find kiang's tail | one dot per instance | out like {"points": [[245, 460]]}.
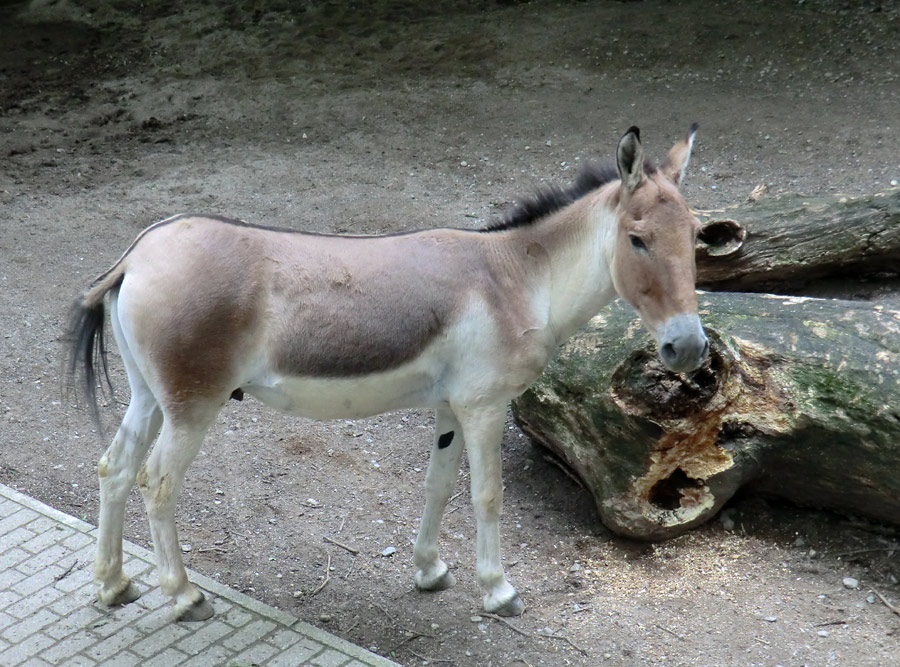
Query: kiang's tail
{"points": [[85, 343]]}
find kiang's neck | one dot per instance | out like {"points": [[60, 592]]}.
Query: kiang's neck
{"points": [[577, 280]]}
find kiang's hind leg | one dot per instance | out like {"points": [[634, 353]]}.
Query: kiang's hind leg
{"points": [[160, 481], [440, 480], [117, 470]]}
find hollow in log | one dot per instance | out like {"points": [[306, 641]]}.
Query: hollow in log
{"points": [[780, 244]]}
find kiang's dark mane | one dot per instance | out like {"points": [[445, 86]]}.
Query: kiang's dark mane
{"points": [[553, 198]]}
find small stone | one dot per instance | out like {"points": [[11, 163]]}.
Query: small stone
{"points": [[325, 618], [185, 548], [871, 599], [297, 594], [893, 182], [463, 164], [727, 521], [771, 619], [476, 618], [850, 582], [482, 627], [822, 633], [389, 551], [576, 567]]}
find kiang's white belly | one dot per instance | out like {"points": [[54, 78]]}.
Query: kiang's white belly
{"points": [[414, 384]]}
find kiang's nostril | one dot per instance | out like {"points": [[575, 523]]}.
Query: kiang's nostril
{"points": [[668, 351]]}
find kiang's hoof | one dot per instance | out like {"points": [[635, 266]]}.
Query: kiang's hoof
{"points": [[440, 583], [512, 607], [128, 594], [201, 610]]}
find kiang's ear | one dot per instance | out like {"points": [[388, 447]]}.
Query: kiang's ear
{"points": [[630, 159], [677, 161]]}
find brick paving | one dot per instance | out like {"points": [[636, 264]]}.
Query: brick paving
{"points": [[49, 614]]}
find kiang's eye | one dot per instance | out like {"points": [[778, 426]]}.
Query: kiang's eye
{"points": [[637, 243]]}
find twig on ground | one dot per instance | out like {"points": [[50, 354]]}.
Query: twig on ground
{"points": [[341, 527], [671, 632], [762, 641], [385, 457], [386, 613], [452, 498], [886, 603], [568, 473], [822, 625], [342, 546], [895, 547], [65, 574], [427, 659], [216, 549], [570, 642], [327, 578], [506, 623], [412, 635]]}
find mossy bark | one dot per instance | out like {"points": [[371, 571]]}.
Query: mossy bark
{"points": [[779, 244], [800, 399]]}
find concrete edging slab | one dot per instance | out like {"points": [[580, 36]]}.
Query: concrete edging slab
{"points": [[52, 638]]}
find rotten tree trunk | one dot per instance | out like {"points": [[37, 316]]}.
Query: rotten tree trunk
{"points": [[778, 244], [800, 399]]}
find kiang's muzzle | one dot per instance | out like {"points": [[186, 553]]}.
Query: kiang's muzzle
{"points": [[683, 346]]}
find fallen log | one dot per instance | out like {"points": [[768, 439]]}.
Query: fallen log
{"points": [[779, 244], [800, 399]]}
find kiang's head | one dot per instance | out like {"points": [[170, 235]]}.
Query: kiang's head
{"points": [[653, 265]]}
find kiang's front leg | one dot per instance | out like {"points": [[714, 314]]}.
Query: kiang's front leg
{"points": [[443, 467], [483, 429]]}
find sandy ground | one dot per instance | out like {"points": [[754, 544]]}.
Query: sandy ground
{"points": [[393, 115]]}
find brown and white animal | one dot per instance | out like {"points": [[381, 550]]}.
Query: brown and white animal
{"points": [[203, 308]]}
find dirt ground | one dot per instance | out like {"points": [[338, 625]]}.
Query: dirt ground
{"points": [[393, 115]]}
